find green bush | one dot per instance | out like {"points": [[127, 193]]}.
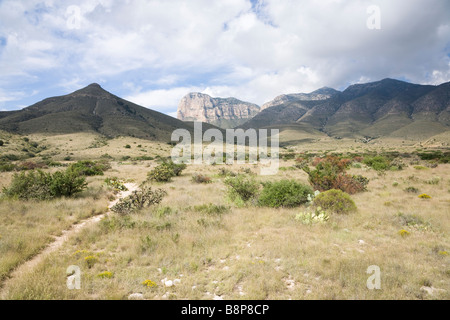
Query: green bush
{"points": [[176, 168], [34, 185], [89, 168], [66, 183], [44, 186], [284, 193], [166, 171], [378, 163], [241, 188], [335, 201]]}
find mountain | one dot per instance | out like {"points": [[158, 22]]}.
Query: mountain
{"points": [[320, 94], [384, 108], [92, 109], [223, 112]]}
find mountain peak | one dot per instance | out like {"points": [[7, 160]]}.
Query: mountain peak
{"points": [[93, 89]]}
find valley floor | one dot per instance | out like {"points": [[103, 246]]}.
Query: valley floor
{"points": [[182, 250]]}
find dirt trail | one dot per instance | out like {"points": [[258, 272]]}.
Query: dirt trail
{"points": [[60, 240]]}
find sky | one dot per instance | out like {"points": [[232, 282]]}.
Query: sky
{"points": [[154, 52]]}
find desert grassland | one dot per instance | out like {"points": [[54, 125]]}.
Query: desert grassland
{"points": [[250, 252], [26, 227]]}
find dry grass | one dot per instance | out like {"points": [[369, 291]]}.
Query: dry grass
{"points": [[252, 252]]}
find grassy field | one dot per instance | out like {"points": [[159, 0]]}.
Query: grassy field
{"points": [[198, 244]]}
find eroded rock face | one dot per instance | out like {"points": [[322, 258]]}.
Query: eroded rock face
{"points": [[225, 113]]}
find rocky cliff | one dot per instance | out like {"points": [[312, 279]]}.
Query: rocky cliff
{"points": [[225, 113]]}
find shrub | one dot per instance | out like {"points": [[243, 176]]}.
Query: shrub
{"points": [[127, 146], [30, 165], [224, 172], [200, 178], [90, 261], [66, 183], [241, 188], [350, 184], [176, 168], [284, 193], [165, 171], [335, 201], [1, 143], [330, 174], [412, 190], [378, 163], [34, 185], [44, 186], [161, 173], [116, 184], [89, 168], [139, 199], [424, 196]]}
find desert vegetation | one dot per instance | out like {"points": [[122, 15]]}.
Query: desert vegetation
{"points": [[224, 231]]}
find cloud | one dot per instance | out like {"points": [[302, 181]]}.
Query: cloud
{"points": [[154, 52]]}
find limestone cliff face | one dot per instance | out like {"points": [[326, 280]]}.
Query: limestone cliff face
{"points": [[225, 113]]}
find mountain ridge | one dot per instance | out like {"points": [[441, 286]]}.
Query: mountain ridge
{"points": [[92, 109]]}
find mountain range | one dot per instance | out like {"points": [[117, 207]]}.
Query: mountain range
{"points": [[386, 108]]}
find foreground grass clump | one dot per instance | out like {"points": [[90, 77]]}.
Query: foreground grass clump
{"points": [[200, 178], [139, 199], [44, 186], [284, 193], [335, 201]]}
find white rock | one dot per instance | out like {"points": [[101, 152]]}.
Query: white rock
{"points": [[136, 296], [168, 283], [176, 281]]}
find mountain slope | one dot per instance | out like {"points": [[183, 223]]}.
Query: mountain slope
{"points": [[320, 94], [91, 109], [382, 108]]}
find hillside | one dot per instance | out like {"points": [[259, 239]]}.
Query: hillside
{"points": [[384, 108], [91, 109]]}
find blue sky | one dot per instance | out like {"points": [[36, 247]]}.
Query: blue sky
{"points": [[154, 52]]}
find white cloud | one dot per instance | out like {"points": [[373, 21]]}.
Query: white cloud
{"points": [[156, 51], [161, 100]]}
